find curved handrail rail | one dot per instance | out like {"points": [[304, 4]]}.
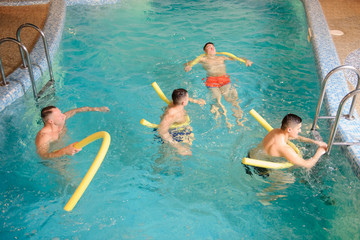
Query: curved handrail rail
{"points": [[22, 46], [93, 168], [44, 42], [338, 114], [322, 92]]}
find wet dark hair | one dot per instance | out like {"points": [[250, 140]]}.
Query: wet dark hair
{"points": [[178, 95], [45, 112], [290, 120], [207, 44]]}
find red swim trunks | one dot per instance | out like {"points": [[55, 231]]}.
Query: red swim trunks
{"points": [[217, 81]]}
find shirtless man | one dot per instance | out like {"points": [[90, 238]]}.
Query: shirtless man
{"points": [[55, 128], [175, 113], [275, 142], [219, 82]]}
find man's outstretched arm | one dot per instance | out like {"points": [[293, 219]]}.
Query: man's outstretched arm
{"points": [[290, 155], [72, 112], [188, 65], [309, 140], [199, 101]]}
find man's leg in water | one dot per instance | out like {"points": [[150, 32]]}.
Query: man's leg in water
{"points": [[230, 95], [216, 96]]}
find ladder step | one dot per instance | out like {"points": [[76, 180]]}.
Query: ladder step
{"points": [[346, 143], [49, 84], [326, 117]]}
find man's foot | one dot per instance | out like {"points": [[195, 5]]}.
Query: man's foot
{"points": [[214, 110], [229, 125]]}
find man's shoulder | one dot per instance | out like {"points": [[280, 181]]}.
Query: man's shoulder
{"points": [[43, 134], [171, 111], [44, 131]]}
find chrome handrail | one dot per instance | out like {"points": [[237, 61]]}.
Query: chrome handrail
{"points": [[22, 46], [338, 114], [44, 42], [322, 92]]}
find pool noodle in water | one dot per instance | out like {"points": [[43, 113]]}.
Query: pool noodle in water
{"points": [[197, 60], [267, 126], [160, 92], [93, 168], [164, 98], [267, 164]]}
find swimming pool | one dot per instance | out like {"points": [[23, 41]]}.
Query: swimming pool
{"points": [[143, 190]]}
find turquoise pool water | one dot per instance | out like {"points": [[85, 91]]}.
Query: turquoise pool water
{"points": [[143, 190]]}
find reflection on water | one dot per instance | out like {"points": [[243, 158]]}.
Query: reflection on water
{"points": [[64, 179], [168, 162], [279, 180]]}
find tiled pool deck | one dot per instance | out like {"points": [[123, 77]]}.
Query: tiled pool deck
{"points": [[323, 46]]}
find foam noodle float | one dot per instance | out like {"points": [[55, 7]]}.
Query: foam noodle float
{"points": [[93, 168], [267, 164], [269, 128], [153, 125], [160, 93], [164, 98], [197, 60]]}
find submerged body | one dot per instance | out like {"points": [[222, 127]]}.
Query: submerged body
{"points": [[175, 113], [54, 129], [219, 83], [275, 143]]}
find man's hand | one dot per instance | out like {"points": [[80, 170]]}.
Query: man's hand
{"points": [[248, 63], [102, 109], [321, 144], [200, 101], [188, 68], [71, 150], [321, 150]]}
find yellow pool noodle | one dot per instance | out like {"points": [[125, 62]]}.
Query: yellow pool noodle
{"points": [[160, 92], [266, 164], [148, 124], [94, 167], [261, 120], [232, 56], [197, 60], [267, 126], [176, 125], [164, 98]]}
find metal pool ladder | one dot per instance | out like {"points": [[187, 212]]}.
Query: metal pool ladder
{"points": [[348, 117], [27, 61]]}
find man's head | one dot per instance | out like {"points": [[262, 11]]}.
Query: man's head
{"points": [[180, 96], [53, 115], [209, 48], [291, 123]]}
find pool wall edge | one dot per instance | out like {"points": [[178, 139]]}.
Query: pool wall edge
{"points": [[326, 59], [19, 80]]}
